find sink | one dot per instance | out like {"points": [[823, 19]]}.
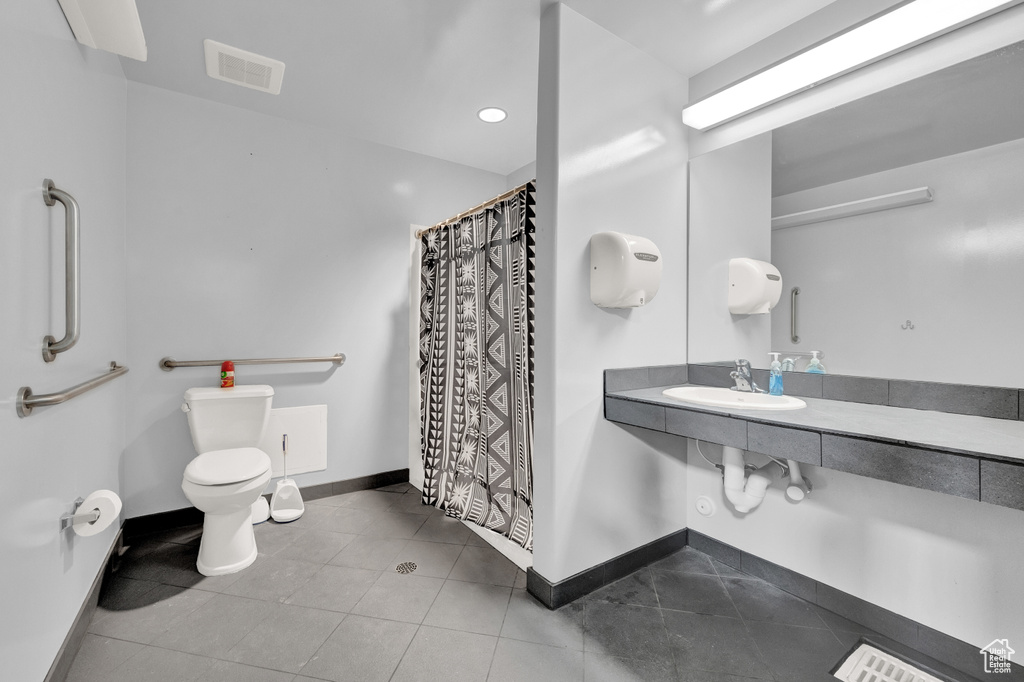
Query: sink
{"points": [[725, 397]]}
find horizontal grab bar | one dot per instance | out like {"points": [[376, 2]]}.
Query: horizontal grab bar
{"points": [[27, 401], [169, 363]]}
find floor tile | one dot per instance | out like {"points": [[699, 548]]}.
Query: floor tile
{"points": [[348, 520], [166, 605], [336, 588], [475, 540], [757, 600], [399, 597], [286, 638], [727, 571], [432, 559], [227, 671], [186, 535], [686, 560], [484, 565], [440, 528], [329, 501], [369, 552], [520, 583], [316, 546], [370, 499], [123, 594], [153, 664], [529, 620], [312, 516], [272, 537], [625, 631], [361, 650], [399, 488], [166, 562], [412, 503], [215, 627], [516, 661], [98, 656], [713, 643], [693, 592], [603, 668], [796, 654], [275, 579], [448, 655], [470, 607], [636, 588], [392, 524]]}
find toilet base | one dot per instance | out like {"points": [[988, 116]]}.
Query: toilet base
{"points": [[228, 544]]}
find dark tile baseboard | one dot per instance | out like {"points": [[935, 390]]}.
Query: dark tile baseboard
{"points": [[190, 516], [572, 588], [61, 665]]}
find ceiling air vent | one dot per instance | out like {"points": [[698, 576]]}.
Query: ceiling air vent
{"points": [[226, 63]]}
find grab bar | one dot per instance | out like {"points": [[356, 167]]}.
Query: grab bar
{"points": [[72, 303], [169, 363], [792, 315], [27, 401]]}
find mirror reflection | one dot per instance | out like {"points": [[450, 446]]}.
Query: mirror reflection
{"points": [[899, 219]]}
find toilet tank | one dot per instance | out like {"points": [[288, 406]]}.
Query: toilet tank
{"points": [[222, 418]]}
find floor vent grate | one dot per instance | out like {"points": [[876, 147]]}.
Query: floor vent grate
{"points": [[868, 664], [406, 567]]}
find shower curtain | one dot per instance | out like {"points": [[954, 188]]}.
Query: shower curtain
{"points": [[476, 367]]}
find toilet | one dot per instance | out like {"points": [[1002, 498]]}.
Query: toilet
{"points": [[229, 474]]}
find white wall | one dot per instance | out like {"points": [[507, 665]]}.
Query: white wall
{"points": [[254, 237], [611, 155], [950, 266], [730, 217], [950, 563], [64, 118]]}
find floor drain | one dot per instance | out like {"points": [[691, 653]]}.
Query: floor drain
{"points": [[406, 567], [868, 664]]}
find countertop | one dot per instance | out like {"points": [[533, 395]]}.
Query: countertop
{"points": [[983, 437]]}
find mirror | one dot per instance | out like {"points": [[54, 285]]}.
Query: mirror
{"points": [[932, 289]]}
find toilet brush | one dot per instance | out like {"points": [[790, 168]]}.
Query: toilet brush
{"points": [[286, 503]]}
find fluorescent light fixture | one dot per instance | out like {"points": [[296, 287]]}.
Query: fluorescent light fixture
{"points": [[491, 115], [901, 28], [110, 25], [909, 197]]}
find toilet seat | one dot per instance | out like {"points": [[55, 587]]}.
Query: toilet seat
{"points": [[223, 467]]}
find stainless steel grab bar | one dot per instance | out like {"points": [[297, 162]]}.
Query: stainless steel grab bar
{"points": [[792, 314], [27, 401], [169, 363], [72, 303]]}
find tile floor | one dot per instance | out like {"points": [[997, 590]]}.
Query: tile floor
{"points": [[324, 602]]}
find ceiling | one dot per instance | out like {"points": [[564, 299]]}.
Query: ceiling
{"points": [[970, 105], [413, 73]]}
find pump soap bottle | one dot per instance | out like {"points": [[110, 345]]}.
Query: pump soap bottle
{"points": [[775, 376], [815, 366]]}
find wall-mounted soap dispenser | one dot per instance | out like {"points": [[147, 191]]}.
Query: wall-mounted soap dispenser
{"points": [[754, 286], [625, 270]]}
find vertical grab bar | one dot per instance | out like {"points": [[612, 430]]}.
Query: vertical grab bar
{"points": [[792, 314], [72, 302]]}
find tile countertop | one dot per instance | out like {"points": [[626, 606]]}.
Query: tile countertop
{"points": [[983, 437]]}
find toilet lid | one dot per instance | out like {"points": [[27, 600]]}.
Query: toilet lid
{"points": [[219, 467]]}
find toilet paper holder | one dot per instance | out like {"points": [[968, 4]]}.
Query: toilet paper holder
{"points": [[71, 518]]}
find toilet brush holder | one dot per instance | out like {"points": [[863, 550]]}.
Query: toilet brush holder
{"points": [[286, 502]]}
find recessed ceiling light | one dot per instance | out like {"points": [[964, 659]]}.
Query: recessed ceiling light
{"points": [[907, 25], [492, 115]]}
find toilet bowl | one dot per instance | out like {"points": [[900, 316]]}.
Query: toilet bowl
{"points": [[223, 484], [230, 472]]}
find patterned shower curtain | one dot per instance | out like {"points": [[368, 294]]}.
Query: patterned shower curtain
{"points": [[476, 367]]}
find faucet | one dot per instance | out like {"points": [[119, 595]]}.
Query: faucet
{"points": [[744, 382]]}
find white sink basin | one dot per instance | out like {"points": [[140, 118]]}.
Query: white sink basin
{"points": [[724, 397]]}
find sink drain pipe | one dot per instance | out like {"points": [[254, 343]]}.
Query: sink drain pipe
{"points": [[747, 492]]}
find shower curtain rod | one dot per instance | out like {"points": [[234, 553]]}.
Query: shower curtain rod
{"points": [[489, 202]]}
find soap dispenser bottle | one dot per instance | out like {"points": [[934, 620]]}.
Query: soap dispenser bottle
{"points": [[815, 366], [775, 376]]}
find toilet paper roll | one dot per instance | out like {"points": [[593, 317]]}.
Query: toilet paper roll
{"points": [[107, 503]]}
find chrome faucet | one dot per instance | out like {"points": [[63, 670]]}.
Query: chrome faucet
{"points": [[744, 381]]}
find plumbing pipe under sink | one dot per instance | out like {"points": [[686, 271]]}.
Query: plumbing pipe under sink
{"points": [[747, 492]]}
